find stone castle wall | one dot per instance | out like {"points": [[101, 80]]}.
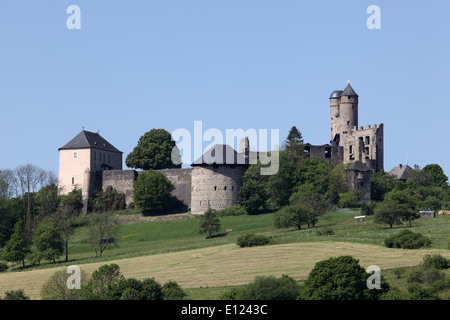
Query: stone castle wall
{"points": [[181, 179], [121, 180], [333, 154]]}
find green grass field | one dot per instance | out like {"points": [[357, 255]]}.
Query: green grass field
{"points": [[174, 250]]}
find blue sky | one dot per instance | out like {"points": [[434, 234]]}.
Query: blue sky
{"points": [[137, 65]]}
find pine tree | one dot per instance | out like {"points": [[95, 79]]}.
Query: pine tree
{"points": [[15, 249], [209, 223]]}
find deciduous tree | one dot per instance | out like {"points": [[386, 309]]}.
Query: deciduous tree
{"points": [[155, 150]]}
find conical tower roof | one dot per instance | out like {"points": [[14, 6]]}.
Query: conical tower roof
{"points": [[349, 91]]}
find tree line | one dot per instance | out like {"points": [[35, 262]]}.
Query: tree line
{"points": [[36, 220]]}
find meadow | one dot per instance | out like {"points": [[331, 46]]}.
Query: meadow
{"points": [[174, 250]]}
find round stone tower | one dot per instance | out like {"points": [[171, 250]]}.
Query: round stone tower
{"points": [[216, 178], [343, 113], [215, 187]]}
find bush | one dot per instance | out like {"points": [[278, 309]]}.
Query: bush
{"points": [[16, 295], [108, 200], [340, 278], [235, 210], [230, 294], [351, 199], [3, 266], [250, 240], [407, 240], [325, 232], [270, 288], [435, 261], [393, 294], [418, 292], [172, 291]]}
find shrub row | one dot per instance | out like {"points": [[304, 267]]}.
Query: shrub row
{"points": [[407, 240], [250, 240]]}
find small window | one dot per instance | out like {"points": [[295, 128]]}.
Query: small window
{"points": [[225, 188], [73, 180], [348, 123], [215, 188], [75, 155]]}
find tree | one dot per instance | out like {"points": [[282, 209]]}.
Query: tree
{"points": [[172, 291], [47, 200], [155, 150], [102, 228], [55, 288], [100, 284], [152, 192], [294, 146], [70, 207], [270, 288], [18, 294], [253, 193], [339, 278], [437, 176], [350, 199], [16, 249], [48, 240], [108, 200], [337, 182], [280, 185], [391, 212], [294, 216], [10, 213], [133, 289], [29, 177], [307, 195], [209, 223], [381, 183], [405, 197]]}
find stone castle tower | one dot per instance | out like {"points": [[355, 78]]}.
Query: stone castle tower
{"points": [[364, 144], [82, 159]]}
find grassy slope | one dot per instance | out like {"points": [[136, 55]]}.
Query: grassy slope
{"points": [[174, 250]]}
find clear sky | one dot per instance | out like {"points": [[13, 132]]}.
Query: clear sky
{"points": [[263, 64]]}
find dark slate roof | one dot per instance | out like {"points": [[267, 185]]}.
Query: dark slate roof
{"points": [[221, 154], [87, 139], [358, 166], [349, 91], [336, 94], [402, 172]]}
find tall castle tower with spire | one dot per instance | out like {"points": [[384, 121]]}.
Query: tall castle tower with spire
{"points": [[359, 144]]}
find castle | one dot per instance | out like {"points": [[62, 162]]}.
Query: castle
{"points": [[89, 162]]}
